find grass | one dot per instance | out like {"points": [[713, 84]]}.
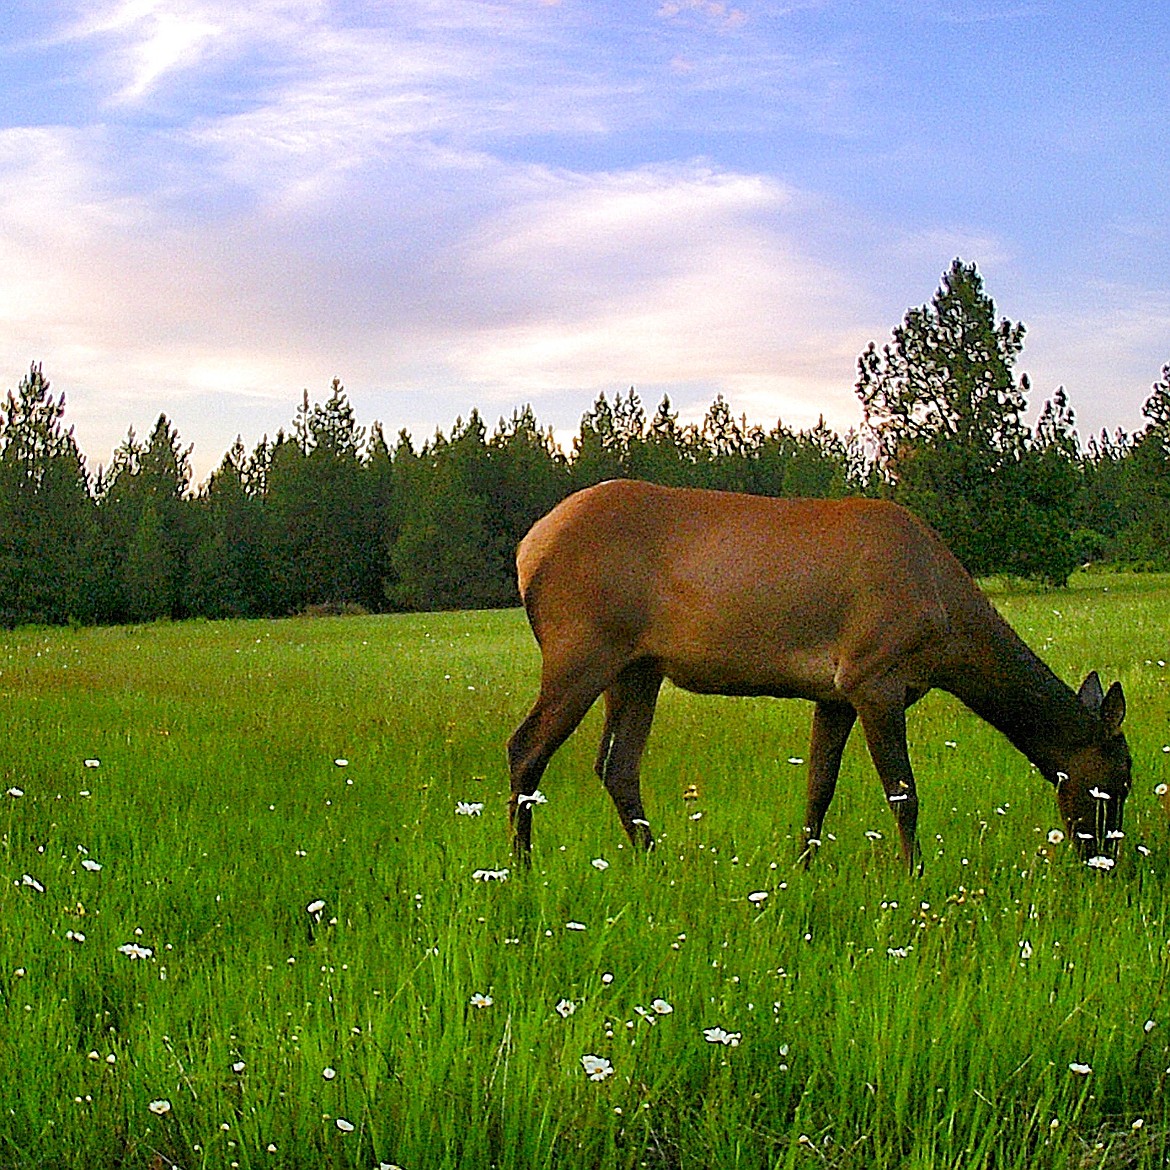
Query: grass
{"points": [[882, 1020]]}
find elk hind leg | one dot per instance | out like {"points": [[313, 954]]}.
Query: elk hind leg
{"points": [[629, 712], [562, 704], [832, 723]]}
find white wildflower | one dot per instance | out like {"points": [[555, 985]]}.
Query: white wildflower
{"points": [[536, 797], [720, 1036], [468, 808], [565, 1008], [1100, 863], [161, 1107], [1082, 1070], [599, 863], [490, 875], [597, 1068]]}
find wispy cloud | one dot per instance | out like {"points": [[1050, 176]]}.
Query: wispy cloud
{"points": [[722, 16]]}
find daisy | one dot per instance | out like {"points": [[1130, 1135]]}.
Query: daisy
{"points": [[597, 1068], [720, 1036]]}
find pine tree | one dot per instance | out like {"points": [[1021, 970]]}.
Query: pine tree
{"points": [[945, 414], [46, 510]]}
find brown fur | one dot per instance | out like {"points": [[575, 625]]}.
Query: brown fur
{"points": [[854, 604]]}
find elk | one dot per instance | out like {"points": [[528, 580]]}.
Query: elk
{"points": [[854, 604]]}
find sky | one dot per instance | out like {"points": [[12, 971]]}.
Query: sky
{"points": [[207, 208]]}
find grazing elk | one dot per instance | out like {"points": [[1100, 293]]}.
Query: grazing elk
{"points": [[854, 604]]}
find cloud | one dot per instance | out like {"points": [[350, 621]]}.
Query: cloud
{"points": [[683, 276], [718, 14], [1106, 348], [515, 283]]}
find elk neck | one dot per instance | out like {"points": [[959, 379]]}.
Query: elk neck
{"points": [[998, 676]]}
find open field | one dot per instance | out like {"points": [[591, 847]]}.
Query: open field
{"points": [[882, 1020]]}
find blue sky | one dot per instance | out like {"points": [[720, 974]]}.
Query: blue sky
{"points": [[206, 207]]}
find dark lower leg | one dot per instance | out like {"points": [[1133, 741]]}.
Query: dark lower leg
{"points": [[630, 706], [885, 733], [832, 723]]}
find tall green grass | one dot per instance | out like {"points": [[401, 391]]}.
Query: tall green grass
{"points": [[880, 1020]]}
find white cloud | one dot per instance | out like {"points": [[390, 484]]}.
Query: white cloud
{"points": [[684, 276], [1106, 348]]}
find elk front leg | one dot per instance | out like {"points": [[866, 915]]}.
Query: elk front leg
{"points": [[885, 734]]}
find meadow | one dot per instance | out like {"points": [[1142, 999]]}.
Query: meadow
{"points": [[253, 915]]}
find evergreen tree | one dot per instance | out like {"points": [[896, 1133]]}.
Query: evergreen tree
{"points": [[443, 557], [1147, 540], [1049, 541], [945, 414], [227, 569], [324, 546], [46, 512], [664, 452], [602, 448]]}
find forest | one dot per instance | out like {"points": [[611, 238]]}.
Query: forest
{"points": [[332, 516]]}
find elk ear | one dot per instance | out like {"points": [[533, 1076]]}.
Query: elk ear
{"points": [[1091, 693], [1113, 710]]}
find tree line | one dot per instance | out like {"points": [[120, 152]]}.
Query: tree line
{"points": [[329, 515]]}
